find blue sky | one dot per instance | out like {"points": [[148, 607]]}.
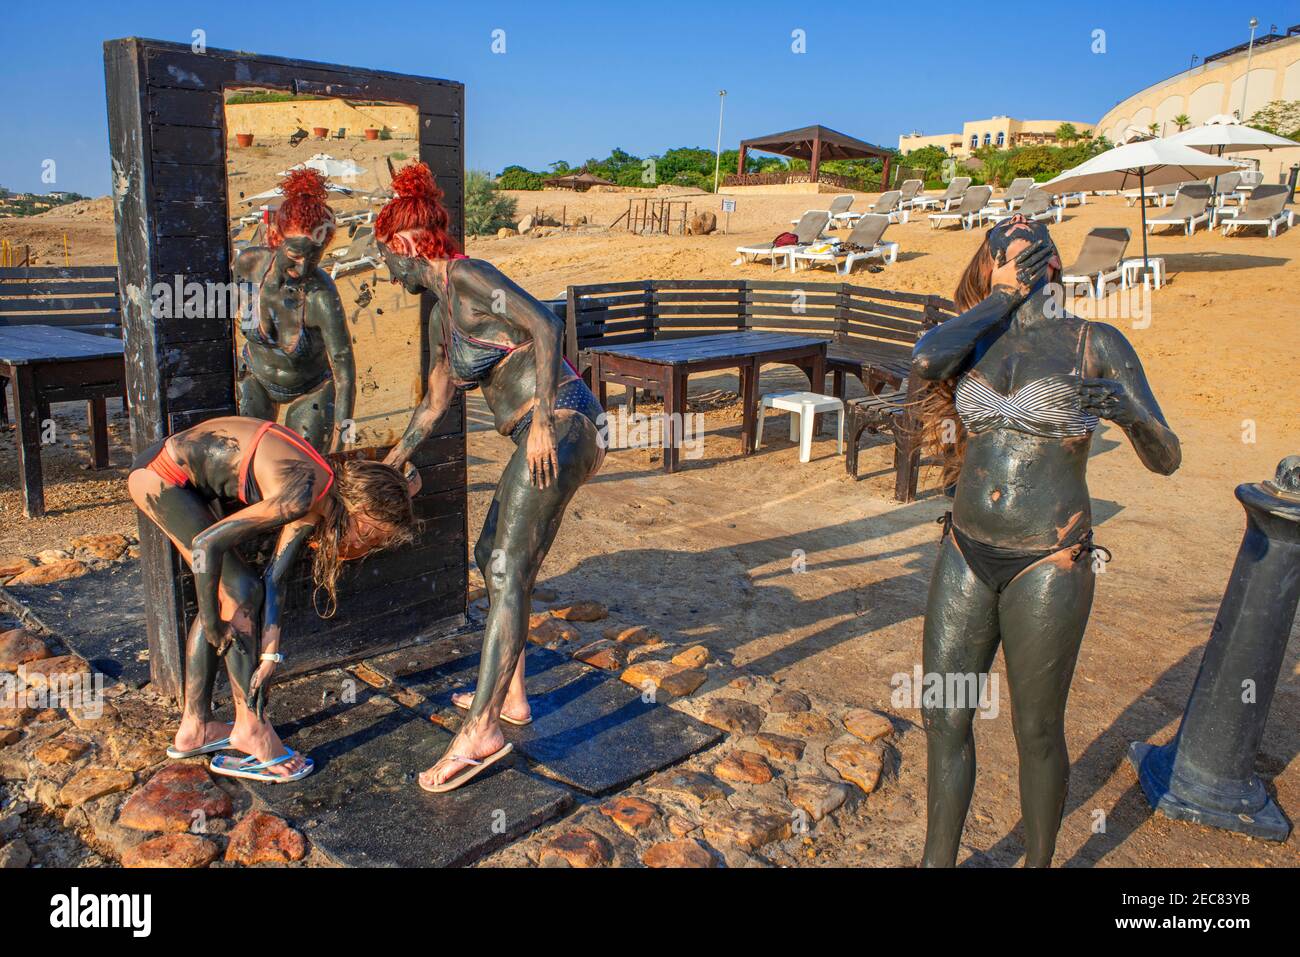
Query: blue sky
{"points": [[578, 79]]}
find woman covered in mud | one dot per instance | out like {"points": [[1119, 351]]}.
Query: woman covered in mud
{"points": [[488, 332], [297, 351], [263, 478], [1016, 387]]}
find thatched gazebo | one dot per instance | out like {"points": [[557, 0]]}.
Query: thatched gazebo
{"points": [[581, 182], [811, 143]]}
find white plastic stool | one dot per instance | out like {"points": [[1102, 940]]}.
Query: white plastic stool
{"points": [[805, 405]]}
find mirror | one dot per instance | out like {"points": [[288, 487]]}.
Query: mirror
{"points": [[322, 331]]}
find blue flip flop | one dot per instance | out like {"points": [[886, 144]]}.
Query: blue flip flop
{"points": [[252, 769], [208, 748]]}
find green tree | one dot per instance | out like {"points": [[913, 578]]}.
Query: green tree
{"points": [[517, 177], [1183, 121], [1066, 133], [1280, 117], [486, 210]]}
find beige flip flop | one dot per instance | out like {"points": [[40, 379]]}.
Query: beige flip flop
{"points": [[476, 766], [517, 722]]}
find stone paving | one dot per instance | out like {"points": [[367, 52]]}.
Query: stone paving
{"points": [[643, 752]]}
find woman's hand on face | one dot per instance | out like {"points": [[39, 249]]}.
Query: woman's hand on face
{"points": [[543, 463], [1107, 399], [1017, 276]]}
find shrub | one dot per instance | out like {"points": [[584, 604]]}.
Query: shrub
{"points": [[516, 177], [486, 210]]}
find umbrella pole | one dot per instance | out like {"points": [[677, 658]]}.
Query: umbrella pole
{"points": [[1142, 187]]}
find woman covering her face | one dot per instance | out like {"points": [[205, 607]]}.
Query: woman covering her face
{"points": [[263, 478], [486, 332], [1016, 390], [297, 350]]}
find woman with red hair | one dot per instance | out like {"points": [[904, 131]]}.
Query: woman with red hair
{"points": [[486, 331], [297, 350]]}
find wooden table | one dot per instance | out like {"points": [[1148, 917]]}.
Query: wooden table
{"points": [[665, 365], [48, 364]]}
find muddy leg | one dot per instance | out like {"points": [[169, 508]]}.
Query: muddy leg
{"points": [[961, 639], [1044, 613], [253, 400], [312, 416]]}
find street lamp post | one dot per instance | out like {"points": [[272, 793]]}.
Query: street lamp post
{"points": [[1245, 80], [717, 155]]}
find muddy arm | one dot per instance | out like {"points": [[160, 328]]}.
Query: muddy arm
{"points": [[338, 345], [292, 537], [1124, 396], [439, 392], [946, 350]]}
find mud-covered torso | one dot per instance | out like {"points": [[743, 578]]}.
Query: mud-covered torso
{"points": [[283, 343], [1017, 488], [212, 454]]}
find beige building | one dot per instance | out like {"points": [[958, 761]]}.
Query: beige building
{"points": [[1219, 86], [1000, 132]]}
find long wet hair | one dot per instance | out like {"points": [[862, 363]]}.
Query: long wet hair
{"points": [[417, 205], [942, 432], [304, 209], [360, 485]]}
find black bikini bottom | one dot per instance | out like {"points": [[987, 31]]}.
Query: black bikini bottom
{"points": [[280, 396], [573, 394], [997, 567]]}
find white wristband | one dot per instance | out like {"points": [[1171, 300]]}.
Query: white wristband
{"points": [[277, 657]]}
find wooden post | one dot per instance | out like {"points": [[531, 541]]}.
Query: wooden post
{"points": [[884, 175], [740, 162], [815, 163]]}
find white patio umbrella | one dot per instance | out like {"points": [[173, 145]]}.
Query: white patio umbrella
{"points": [[1224, 134], [1155, 162], [276, 192], [328, 165]]}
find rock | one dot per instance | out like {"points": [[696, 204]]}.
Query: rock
{"points": [[786, 702], [550, 631], [107, 548], [261, 838], [62, 750], [91, 783], [10, 825], [581, 611], [369, 675], [680, 826], [545, 594], [779, 747], [655, 649], [631, 814], [506, 231], [868, 725], [694, 787], [13, 564], [91, 719], [18, 647], [701, 223], [12, 718], [746, 828], [171, 798], [801, 724], [576, 847], [680, 853], [857, 763], [817, 796], [54, 673], [734, 715], [172, 850], [525, 224], [603, 653], [56, 572], [743, 767], [697, 656], [49, 556], [16, 854], [631, 634], [683, 682], [652, 672], [9, 737]]}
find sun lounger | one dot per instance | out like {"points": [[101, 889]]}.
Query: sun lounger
{"points": [[1266, 207], [886, 205], [1190, 208], [1157, 195], [865, 238], [956, 187], [808, 229], [1036, 206], [910, 189], [971, 211], [839, 210], [1099, 260], [1015, 193], [361, 253]]}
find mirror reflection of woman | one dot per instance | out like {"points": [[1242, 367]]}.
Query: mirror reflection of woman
{"points": [[488, 332], [297, 350], [1020, 384], [226, 482]]}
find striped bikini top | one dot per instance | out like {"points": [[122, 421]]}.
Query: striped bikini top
{"points": [[1048, 406]]}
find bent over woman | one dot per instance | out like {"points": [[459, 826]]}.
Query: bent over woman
{"points": [[486, 332], [224, 482], [1021, 384]]}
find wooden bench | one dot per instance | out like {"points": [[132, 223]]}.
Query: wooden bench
{"points": [[871, 333], [83, 298]]}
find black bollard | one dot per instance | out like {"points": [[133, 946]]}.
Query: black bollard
{"points": [[1206, 773]]}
